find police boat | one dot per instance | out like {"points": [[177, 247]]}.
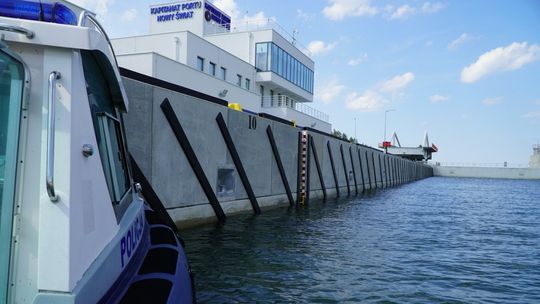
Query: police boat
{"points": [[75, 227]]}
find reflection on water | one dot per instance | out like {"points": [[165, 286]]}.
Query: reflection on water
{"points": [[433, 241]]}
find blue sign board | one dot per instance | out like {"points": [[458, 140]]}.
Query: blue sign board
{"points": [[172, 12], [218, 16]]}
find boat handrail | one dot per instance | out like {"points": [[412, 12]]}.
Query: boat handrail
{"points": [[53, 77], [17, 29], [85, 15]]}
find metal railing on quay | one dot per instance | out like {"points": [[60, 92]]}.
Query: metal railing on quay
{"points": [[250, 25], [287, 102]]}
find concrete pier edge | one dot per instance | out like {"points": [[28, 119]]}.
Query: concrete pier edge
{"points": [[153, 144]]}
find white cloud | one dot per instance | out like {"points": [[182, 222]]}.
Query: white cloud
{"points": [[493, 101], [319, 47], [100, 7], [339, 9], [229, 7], [306, 17], [438, 98], [358, 60], [511, 57], [129, 15], [328, 92], [240, 20], [535, 114], [257, 19], [403, 12], [375, 98], [368, 102], [397, 83], [460, 40], [430, 8]]}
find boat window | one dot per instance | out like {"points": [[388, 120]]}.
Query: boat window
{"points": [[108, 130], [11, 92]]}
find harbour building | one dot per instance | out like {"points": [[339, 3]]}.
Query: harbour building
{"points": [[256, 63]]}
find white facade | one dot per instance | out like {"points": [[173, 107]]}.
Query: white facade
{"points": [[173, 57], [164, 68], [194, 44]]}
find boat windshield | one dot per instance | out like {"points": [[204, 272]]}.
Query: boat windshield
{"points": [[11, 92]]}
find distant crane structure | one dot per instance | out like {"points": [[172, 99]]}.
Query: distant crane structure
{"points": [[535, 158], [420, 153]]}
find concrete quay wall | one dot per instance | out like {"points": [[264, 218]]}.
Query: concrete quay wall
{"points": [[152, 142]]}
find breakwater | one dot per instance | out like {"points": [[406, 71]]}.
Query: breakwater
{"points": [[206, 161], [486, 172]]}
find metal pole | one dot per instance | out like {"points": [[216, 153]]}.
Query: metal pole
{"points": [[355, 130], [386, 112], [384, 138]]}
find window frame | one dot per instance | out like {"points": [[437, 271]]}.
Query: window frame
{"points": [[239, 80], [120, 200], [7, 209], [261, 61], [286, 66], [102, 116], [223, 75], [212, 68], [200, 63]]}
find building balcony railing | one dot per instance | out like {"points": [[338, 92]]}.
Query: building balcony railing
{"points": [[283, 101], [251, 25]]}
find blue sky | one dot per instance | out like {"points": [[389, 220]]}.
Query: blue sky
{"points": [[468, 72]]}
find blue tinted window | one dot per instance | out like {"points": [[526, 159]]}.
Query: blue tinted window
{"points": [[261, 56], [302, 71], [200, 63], [269, 62], [286, 65], [299, 73], [284, 59], [289, 67], [270, 57], [275, 59], [280, 67], [295, 71], [239, 80], [223, 73], [212, 69]]}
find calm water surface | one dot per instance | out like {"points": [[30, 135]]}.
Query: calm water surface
{"points": [[439, 240]]}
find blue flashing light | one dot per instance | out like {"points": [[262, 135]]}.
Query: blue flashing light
{"points": [[39, 11]]}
